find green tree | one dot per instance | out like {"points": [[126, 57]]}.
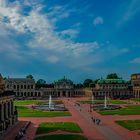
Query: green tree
{"points": [[41, 83], [87, 82], [112, 76], [92, 84], [30, 76]]}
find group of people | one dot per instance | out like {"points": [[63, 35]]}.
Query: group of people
{"points": [[96, 121], [20, 134], [22, 131]]}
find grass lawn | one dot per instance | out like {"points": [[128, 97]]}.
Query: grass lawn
{"points": [[64, 126], [135, 99], [62, 137], [26, 112], [130, 124], [130, 110], [102, 101], [27, 102]]}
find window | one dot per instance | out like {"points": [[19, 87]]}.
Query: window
{"points": [[31, 86], [14, 86], [21, 86]]}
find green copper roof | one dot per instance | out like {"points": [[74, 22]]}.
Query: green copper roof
{"points": [[63, 80], [111, 81]]}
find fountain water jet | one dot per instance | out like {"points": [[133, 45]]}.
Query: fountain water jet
{"points": [[103, 106], [50, 102], [105, 103], [51, 106]]}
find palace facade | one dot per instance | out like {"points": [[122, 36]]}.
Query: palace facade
{"points": [[22, 87], [8, 113], [63, 88], [135, 80], [112, 88], [26, 88]]}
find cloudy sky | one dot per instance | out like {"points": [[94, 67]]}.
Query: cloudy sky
{"points": [[76, 38]]}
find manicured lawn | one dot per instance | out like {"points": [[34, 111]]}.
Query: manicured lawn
{"points": [[136, 99], [26, 112], [64, 126], [130, 124], [27, 102], [54, 101], [102, 101], [130, 110], [62, 137]]}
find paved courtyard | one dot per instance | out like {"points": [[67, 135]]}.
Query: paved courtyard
{"points": [[107, 130]]}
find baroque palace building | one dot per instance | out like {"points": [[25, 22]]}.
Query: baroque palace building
{"points": [[8, 113], [26, 88], [112, 88], [63, 88], [135, 80], [22, 87]]}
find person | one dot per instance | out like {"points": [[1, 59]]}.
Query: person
{"points": [[98, 121], [94, 120]]}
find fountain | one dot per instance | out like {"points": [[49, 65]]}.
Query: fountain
{"points": [[51, 106], [105, 103], [103, 106]]}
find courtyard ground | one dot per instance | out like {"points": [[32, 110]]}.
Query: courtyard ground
{"points": [[108, 130]]}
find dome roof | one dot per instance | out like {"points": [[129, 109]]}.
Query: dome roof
{"points": [[63, 80], [111, 81]]}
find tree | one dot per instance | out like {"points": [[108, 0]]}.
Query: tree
{"points": [[87, 82], [30, 76], [95, 81], [112, 76], [40, 83], [92, 84]]}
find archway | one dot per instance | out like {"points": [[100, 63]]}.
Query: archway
{"points": [[64, 93]]}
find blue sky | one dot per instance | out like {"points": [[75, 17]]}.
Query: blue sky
{"points": [[77, 38]]}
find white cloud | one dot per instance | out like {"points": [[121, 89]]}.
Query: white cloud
{"points": [[53, 59], [57, 13], [69, 33], [45, 39], [136, 60], [98, 20], [132, 9]]}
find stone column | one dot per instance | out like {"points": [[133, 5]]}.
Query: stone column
{"points": [[2, 112], [10, 108], [6, 109]]}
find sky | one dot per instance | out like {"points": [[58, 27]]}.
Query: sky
{"points": [[78, 39]]}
